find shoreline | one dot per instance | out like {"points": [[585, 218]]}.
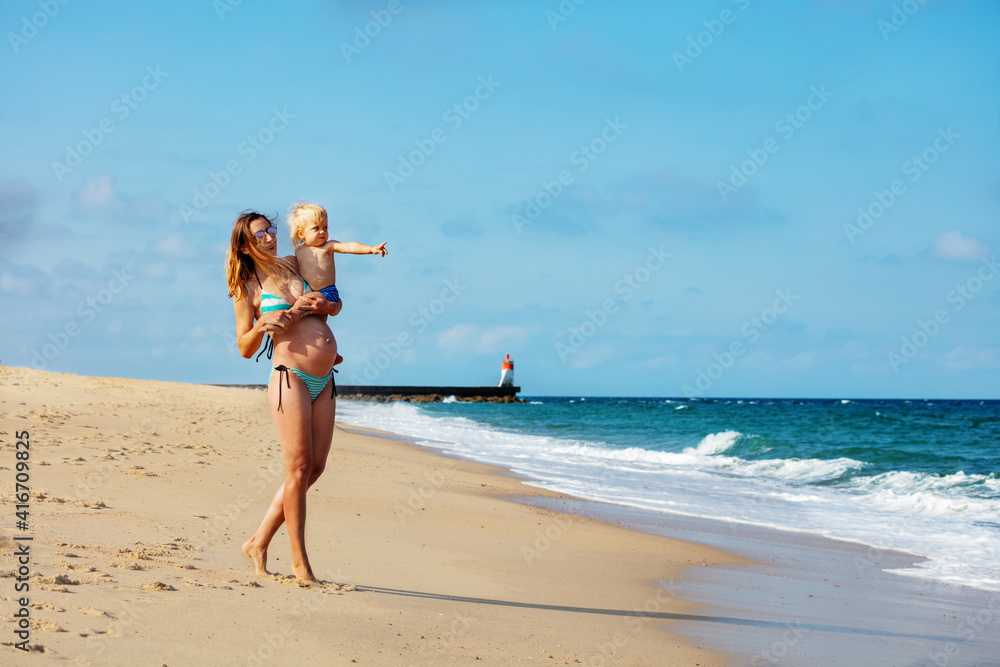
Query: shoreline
{"points": [[143, 491], [794, 596]]}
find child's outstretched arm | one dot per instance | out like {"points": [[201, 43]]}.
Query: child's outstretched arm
{"points": [[354, 248]]}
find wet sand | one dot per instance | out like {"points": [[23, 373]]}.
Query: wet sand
{"points": [[802, 599]]}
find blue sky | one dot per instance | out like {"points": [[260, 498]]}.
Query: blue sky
{"points": [[629, 198]]}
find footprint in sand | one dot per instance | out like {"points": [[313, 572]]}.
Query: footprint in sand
{"points": [[33, 648], [44, 626], [58, 580], [95, 612], [127, 565], [158, 586], [83, 567]]}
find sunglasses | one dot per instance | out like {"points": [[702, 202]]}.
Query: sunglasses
{"points": [[270, 231]]}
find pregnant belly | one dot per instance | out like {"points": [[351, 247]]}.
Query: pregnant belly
{"points": [[308, 346]]}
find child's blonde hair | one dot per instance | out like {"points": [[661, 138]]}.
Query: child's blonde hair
{"points": [[300, 216]]}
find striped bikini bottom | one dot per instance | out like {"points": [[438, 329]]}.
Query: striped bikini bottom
{"points": [[313, 383]]}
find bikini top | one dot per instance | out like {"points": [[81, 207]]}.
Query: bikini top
{"points": [[272, 302]]}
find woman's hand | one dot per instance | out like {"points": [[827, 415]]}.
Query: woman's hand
{"points": [[278, 320], [314, 303]]}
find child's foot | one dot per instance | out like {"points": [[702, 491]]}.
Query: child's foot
{"points": [[338, 360]]}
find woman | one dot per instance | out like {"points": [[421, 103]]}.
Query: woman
{"points": [[270, 298]]}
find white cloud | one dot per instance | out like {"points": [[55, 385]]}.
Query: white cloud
{"points": [[957, 247], [968, 358], [799, 362], [590, 355], [483, 339], [174, 247], [15, 285], [98, 198]]}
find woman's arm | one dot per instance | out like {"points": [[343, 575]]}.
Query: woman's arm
{"points": [[249, 334], [354, 248]]}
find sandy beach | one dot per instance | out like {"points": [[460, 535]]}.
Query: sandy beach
{"points": [[141, 493]]}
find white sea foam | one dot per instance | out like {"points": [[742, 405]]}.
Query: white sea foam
{"points": [[715, 443], [951, 520]]}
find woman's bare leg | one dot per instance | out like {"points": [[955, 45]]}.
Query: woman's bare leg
{"points": [[324, 412], [293, 423], [256, 546]]}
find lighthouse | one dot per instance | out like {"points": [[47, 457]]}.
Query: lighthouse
{"points": [[506, 373]]}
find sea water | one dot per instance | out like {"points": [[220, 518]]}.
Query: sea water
{"points": [[917, 476]]}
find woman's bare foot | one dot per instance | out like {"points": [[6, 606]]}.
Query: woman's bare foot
{"points": [[257, 555], [304, 573]]}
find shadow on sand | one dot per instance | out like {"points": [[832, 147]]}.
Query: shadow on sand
{"points": [[665, 616]]}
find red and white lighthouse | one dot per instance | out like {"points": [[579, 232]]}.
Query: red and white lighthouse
{"points": [[506, 373]]}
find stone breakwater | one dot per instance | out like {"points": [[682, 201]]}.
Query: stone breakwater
{"points": [[411, 394], [426, 398]]}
